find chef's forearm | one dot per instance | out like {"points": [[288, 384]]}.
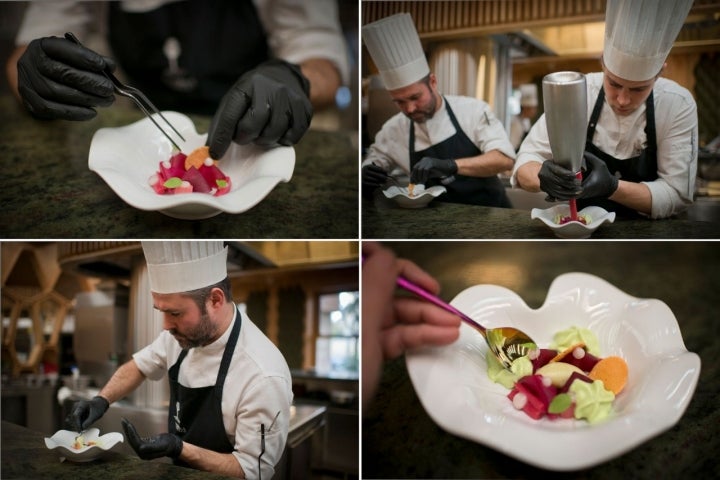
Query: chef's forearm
{"points": [[125, 379], [527, 176], [633, 195], [210, 461], [485, 165]]}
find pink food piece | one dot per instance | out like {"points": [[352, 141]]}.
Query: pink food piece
{"points": [[585, 363], [197, 181], [185, 187], [544, 356]]}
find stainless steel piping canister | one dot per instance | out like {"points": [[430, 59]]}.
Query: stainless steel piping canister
{"points": [[565, 102]]}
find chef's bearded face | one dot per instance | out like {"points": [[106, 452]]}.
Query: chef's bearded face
{"points": [[418, 101], [186, 316]]}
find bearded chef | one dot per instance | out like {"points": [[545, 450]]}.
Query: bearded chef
{"points": [[230, 387], [436, 139], [641, 141]]}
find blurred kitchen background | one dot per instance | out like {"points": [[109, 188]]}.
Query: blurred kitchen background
{"points": [[73, 311], [488, 49]]}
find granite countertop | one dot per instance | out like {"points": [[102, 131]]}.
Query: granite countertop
{"points": [[24, 456], [47, 190], [400, 440], [382, 218]]}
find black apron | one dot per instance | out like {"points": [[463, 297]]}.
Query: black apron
{"points": [[195, 414], [641, 168], [486, 191], [219, 41]]}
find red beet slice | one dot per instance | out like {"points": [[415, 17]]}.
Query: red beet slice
{"points": [[586, 363], [196, 180], [544, 356], [574, 376]]}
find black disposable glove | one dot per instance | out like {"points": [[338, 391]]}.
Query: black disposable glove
{"points": [[268, 105], [163, 445], [429, 167], [86, 412], [373, 177], [59, 79], [558, 182], [597, 179]]}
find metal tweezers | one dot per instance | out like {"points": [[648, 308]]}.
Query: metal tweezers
{"points": [[137, 96]]}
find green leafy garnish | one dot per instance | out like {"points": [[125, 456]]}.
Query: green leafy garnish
{"points": [[221, 183], [173, 182], [560, 403]]}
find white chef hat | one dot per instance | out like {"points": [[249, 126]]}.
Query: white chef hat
{"points": [[176, 267], [528, 95], [395, 48], [639, 35]]}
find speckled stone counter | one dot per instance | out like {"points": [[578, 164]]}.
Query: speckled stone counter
{"points": [[25, 457], [47, 190], [382, 218], [400, 440]]}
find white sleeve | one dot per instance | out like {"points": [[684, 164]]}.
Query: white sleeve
{"points": [[267, 398], [535, 148], [390, 149], [153, 359], [300, 30], [677, 152], [488, 133], [45, 19]]}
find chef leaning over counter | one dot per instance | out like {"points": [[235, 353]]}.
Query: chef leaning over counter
{"points": [[230, 387], [642, 134], [438, 139]]}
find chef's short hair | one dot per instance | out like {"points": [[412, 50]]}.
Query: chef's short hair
{"points": [[201, 295]]}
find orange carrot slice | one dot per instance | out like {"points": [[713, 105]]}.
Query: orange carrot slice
{"points": [[197, 157], [566, 352], [613, 371]]}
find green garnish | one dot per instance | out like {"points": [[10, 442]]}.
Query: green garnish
{"points": [[560, 403], [173, 182], [221, 183]]}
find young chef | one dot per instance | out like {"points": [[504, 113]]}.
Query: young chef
{"points": [[438, 139], [260, 67], [641, 146], [230, 387]]}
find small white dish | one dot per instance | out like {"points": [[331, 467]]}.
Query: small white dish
{"points": [[549, 216], [126, 157], [62, 443], [420, 198], [453, 387]]}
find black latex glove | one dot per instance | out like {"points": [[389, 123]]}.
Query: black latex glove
{"points": [[597, 179], [429, 167], [59, 79], [86, 412], [268, 105], [163, 445], [558, 182], [373, 177]]}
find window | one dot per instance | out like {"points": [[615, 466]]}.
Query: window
{"points": [[336, 348]]}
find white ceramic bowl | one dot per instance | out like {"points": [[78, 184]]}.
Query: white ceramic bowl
{"points": [[126, 157], [548, 216], [421, 196], [61, 442], [452, 384]]}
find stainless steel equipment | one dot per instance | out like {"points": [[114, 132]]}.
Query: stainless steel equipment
{"points": [[565, 102], [101, 329]]}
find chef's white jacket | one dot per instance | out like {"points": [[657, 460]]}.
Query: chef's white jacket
{"points": [[296, 31], [258, 386], [474, 116], [624, 137]]}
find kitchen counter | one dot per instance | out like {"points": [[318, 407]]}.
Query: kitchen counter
{"points": [[25, 457], [47, 190], [684, 275], [382, 218]]}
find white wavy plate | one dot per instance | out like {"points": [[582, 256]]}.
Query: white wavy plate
{"points": [[126, 157], [420, 198], [454, 389], [62, 442], [598, 216]]}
